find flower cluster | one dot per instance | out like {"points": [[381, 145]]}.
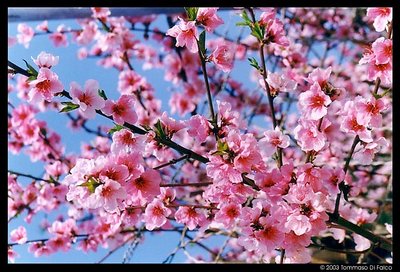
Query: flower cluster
{"points": [[282, 164]]}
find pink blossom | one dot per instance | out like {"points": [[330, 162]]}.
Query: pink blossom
{"points": [[25, 34], [381, 16], [208, 18], [190, 217], [23, 113], [269, 182], [30, 193], [244, 147], [181, 104], [314, 103], [155, 214], [56, 169], [100, 13], [366, 155], [321, 76], [369, 111], [115, 171], [29, 132], [185, 34], [222, 56], [11, 41], [269, 237], [275, 34], [43, 26], [220, 171], [228, 214], [293, 242], [229, 117], [19, 235], [45, 86], [171, 126], [110, 193], [382, 49], [304, 201], [332, 177], [298, 223], [279, 83], [82, 53], [88, 33], [66, 228], [39, 249], [173, 66], [134, 163], [361, 242], [267, 15], [122, 110], [59, 243], [88, 99], [59, 39], [147, 186], [368, 55], [124, 140], [350, 124], [46, 60], [167, 195], [383, 71], [90, 243], [59, 192], [308, 136], [299, 256], [199, 128], [272, 140], [12, 255], [129, 82]]}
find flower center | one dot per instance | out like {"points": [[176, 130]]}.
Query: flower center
{"points": [[44, 85]]}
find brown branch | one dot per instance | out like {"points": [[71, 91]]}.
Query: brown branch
{"points": [[32, 177], [173, 161]]}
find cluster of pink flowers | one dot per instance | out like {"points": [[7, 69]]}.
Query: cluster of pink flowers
{"points": [[378, 56], [271, 188], [46, 84]]}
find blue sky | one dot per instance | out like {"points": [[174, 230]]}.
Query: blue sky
{"points": [[71, 69]]}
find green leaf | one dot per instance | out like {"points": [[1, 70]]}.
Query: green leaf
{"points": [[91, 184], [31, 78], [220, 153], [222, 146], [102, 94], [254, 63], [257, 31], [31, 70], [247, 21], [69, 106], [52, 179], [242, 24], [160, 130], [115, 129], [202, 42], [246, 17], [191, 13]]}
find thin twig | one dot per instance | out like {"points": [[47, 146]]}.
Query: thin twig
{"points": [[115, 249], [173, 161], [32, 177]]}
